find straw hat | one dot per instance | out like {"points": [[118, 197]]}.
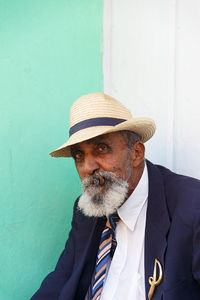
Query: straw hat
{"points": [[96, 114]]}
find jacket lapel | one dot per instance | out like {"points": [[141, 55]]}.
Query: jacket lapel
{"points": [[157, 226], [88, 260], [87, 241]]}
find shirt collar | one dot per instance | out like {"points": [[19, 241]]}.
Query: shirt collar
{"points": [[132, 207]]}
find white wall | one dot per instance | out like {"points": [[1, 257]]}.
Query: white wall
{"points": [[152, 65]]}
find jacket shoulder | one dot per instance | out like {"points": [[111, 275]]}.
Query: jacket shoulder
{"points": [[178, 182], [182, 194]]}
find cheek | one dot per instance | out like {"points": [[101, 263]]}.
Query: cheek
{"points": [[124, 170], [118, 170], [106, 164]]}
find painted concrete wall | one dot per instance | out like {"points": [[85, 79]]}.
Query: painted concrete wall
{"points": [[50, 54], [152, 64]]}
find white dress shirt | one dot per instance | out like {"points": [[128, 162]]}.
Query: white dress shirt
{"points": [[125, 277]]}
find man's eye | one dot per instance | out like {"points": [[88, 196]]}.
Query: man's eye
{"points": [[78, 156], [102, 148]]}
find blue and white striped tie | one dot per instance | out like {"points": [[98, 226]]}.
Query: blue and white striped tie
{"points": [[106, 250]]}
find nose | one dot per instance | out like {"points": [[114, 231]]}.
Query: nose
{"points": [[90, 165]]}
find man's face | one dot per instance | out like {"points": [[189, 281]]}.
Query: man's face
{"points": [[109, 157], [108, 152]]}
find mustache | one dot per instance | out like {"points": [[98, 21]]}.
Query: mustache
{"points": [[100, 179]]}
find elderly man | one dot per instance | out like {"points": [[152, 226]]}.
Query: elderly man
{"points": [[136, 227]]}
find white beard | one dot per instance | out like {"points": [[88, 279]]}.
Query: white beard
{"points": [[102, 200]]}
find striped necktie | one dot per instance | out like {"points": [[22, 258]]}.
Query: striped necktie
{"points": [[105, 253]]}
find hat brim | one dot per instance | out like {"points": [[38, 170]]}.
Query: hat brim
{"points": [[143, 127]]}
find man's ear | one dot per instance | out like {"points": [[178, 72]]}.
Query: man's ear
{"points": [[137, 154]]}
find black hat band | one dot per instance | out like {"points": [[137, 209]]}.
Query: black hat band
{"points": [[105, 121]]}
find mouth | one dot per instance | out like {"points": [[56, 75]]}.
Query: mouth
{"points": [[97, 180], [100, 182]]}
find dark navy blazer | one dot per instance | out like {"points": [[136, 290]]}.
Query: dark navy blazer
{"points": [[172, 235]]}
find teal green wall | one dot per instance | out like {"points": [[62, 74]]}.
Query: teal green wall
{"points": [[50, 54]]}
